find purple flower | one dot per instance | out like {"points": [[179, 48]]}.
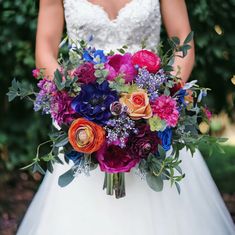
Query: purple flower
{"points": [[93, 102], [47, 86], [151, 82], [120, 65], [61, 110], [43, 98], [116, 108]]}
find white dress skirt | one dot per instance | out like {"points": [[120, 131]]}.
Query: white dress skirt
{"points": [[83, 208]]}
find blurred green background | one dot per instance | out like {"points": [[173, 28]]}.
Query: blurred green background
{"points": [[21, 129]]}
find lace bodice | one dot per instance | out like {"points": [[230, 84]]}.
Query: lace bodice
{"points": [[137, 21]]}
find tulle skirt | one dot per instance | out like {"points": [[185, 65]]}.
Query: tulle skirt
{"points": [[83, 208]]}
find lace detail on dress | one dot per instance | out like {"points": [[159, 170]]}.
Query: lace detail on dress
{"points": [[137, 21]]}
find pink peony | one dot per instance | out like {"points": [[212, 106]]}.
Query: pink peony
{"points": [[85, 73], [165, 107], [147, 59], [114, 159], [120, 65]]}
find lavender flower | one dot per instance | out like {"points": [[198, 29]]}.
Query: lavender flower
{"points": [[43, 98], [151, 82], [119, 129]]}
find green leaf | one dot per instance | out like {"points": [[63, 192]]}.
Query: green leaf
{"points": [[61, 141], [154, 182], [176, 40], [59, 80], [178, 187], [66, 178], [156, 124], [161, 151], [122, 51], [38, 168], [189, 38]]}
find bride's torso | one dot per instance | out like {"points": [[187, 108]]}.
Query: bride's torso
{"points": [[137, 21]]}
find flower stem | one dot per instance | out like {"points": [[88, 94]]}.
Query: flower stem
{"points": [[115, 183]]}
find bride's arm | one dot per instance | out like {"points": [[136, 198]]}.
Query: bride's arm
{"points": [[49, 33], [176, 21]]}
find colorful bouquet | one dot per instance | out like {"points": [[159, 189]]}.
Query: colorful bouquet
{"points": [[120, 111]]}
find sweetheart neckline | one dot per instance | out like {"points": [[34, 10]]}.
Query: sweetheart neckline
{"points": [[119, 13]]}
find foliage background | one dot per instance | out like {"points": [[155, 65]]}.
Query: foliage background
{"points": [[21, 129]]}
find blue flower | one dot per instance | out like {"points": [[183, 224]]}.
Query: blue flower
{"points": [[95, 57], [180, 96], [93, 102], [74, 155], [166, 138]]}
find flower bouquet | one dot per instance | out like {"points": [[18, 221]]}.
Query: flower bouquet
{"points": [[120, 111]]}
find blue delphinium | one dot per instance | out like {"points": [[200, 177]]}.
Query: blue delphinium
{"points": [[180, 97], [151, 82], [74, 155], [166, 138], [94, 56], [93, 102]]}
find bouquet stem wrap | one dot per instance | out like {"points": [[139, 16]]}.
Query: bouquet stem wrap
{"points": [[115, 183]]}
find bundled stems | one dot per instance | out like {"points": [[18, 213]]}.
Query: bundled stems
{"points": [[115, 183]]}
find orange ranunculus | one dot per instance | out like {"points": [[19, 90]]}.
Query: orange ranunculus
{"points": [[137, 103], [86, 136]]}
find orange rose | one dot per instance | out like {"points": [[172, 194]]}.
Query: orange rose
{"points": [[86, 136], [138, 104]]}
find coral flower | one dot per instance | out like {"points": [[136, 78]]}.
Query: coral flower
{"points": [[137, 104], [86, 136]]}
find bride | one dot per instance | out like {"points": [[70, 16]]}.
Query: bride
{"points": [[83, 208]]}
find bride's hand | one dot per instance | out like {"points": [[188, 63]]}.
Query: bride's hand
{"points": [[176, 21], [49, 33]]}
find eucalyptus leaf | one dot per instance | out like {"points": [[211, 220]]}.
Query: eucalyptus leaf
{"points": [[154, 182], [66, 178], [178, 187], [38, 168], [61, 141]]}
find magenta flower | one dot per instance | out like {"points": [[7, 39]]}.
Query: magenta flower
{"points": [[85, 73], [36, 73], [114, 159], [61, 110], [120, 65], [207, 113], [165, 107]]}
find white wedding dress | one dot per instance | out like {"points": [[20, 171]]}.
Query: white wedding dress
{"points": [[83, 208]]}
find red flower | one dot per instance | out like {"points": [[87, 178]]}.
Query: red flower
{"points": [[85, 73], [148, 59]]}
